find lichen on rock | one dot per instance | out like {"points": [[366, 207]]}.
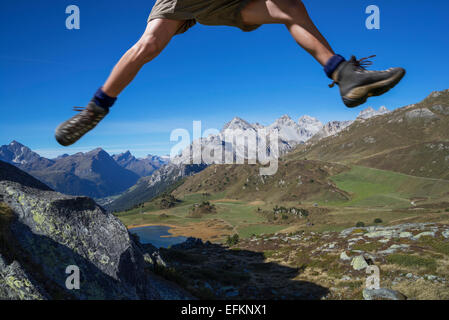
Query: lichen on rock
{"points": [[53, 231]]}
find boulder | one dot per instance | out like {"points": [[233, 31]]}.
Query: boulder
{"points": [[405, 234], [382, 294], [16, 284], [379, 234], [50, 231], [344, 256], [424, 234], [359, 263]]}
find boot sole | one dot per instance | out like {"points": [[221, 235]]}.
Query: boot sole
{"points": [[67, 140], [371, 90], [61, 138]]}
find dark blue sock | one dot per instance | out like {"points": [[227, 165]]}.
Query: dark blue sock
{"points": [[101, 99], [332, 64]]}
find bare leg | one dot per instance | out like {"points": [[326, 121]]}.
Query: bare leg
{"points": [[156, 36], [294, 15]]}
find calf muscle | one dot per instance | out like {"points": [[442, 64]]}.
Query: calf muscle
{"points": [[155, 38]]}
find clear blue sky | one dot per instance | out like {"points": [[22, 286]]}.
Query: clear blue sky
{"points": [[209, 73]]}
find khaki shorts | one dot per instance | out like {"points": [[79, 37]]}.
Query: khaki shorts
{"points": [[207, 12]]}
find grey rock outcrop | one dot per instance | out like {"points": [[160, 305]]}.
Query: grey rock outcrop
{"points": [[50, 231], [382, 294]]}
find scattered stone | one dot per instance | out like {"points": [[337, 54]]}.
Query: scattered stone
{"points": [[382, 294], [359, 263], [442, 109], [356, 239], [445, 234], [344, 256], [394, 248], [405, 235], [379, 234], [424, 234], [423, 113]]}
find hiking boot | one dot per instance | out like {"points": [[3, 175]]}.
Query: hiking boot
{"points": [[73, 129], [358, 84]]}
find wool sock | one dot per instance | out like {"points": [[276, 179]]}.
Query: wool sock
{"points": [[332, 64], [101, 99]]}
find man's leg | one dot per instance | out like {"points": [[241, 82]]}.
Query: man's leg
{"points": [[294, 15], [156, 36], [355, 82]]}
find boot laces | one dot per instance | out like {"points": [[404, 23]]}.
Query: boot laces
{"points": [[361, 63], [79, 109]]}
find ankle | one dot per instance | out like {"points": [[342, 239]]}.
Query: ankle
{"points": [[103, 100], [332, 65]]}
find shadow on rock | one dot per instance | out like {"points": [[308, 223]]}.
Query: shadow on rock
{"points": [[214, 271]]}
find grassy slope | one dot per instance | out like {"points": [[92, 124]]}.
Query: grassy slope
{"points": [[294, 181], [396, 141], [379, 188], [374, 194], [235, 216]]}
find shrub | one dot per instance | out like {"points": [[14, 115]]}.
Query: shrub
{"points": [[198, 210], [360, 224], [447, 210], [168, 201], [231, 241], [378, 220]]}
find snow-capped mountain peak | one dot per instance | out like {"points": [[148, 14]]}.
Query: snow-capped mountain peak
{"points": [[288, 130], [292, 133], [370, 112], [331, 128], [309, 125], [236, 124]]}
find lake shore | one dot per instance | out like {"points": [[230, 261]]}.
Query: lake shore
{"points": [[210, 230]]}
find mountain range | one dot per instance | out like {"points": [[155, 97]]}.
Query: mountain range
{"points": [[124, 180], [291, 134], [142, 167], [95, 173], [413, 140]]}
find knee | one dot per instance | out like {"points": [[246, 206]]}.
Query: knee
{"points": [[147, 49], [293, 9]]}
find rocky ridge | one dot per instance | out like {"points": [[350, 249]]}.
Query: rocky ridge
{"points": [[43, 232]]}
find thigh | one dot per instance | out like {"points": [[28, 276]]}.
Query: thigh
{"points": [[266, 11]]}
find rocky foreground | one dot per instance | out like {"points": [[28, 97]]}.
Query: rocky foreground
{"points": [[43, 232], [413, 260]]}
